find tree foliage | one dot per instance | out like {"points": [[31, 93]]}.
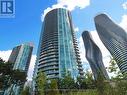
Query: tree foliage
{"points": [[89, 80], [67, 83], [10, 76], [18, 77], [81, 83], [120, 80], [25, 91], [41, 83], [112, 67], [53, 88], [5, 73]]}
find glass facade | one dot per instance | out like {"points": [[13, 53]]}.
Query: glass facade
{"points": [[58, 53], [114, 39], [21, 56], [67, 56], [94, 56]]}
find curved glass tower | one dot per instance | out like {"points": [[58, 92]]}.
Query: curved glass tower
{"points": [[58, 51], [114, 38], [94, 56]]}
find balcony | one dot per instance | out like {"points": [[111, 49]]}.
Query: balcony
{"points": [[48, 61], [52, 72], [81, 72], [80, 68], [49, 68], [47, 64], [49, 57], [80, 65]]}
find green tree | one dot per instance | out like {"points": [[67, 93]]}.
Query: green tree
{"points": [[17, 78], [113, 66], [120, 79], [89, 80], [81, 83], [67, 83], [25, 91], [101, 84], [53, 90], [41, 83], [8, 76], [5, 73]]}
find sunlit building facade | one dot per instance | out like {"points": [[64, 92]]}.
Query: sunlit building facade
{"points": [[58, 53], [21, 56]]}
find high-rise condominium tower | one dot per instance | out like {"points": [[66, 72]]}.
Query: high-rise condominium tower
{"points": [[94, 56], [20, 56], [58, 54], [114, 38]]}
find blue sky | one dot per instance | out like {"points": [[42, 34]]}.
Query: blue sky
{"points": [[26, 25]]}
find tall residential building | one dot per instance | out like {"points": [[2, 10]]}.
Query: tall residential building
{"points": [[114, 38], [20, 57], [58, 53], [94, 56]]}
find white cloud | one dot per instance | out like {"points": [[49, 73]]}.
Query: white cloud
{"points": [[124, 5], [72, 4], [105, 52], [5, 54], [68, 4], [31, 67], [76, 29], [123, 22], [82, 51]]}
